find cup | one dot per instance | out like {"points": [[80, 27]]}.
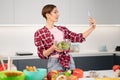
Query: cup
{"points": [[103, 48]]}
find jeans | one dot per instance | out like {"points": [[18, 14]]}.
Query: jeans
{"points": [[53, 64]]}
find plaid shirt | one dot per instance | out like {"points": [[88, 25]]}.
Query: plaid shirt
{"points": [[44, 39]]}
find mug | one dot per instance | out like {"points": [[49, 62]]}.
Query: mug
{"points": [[103, 48]]}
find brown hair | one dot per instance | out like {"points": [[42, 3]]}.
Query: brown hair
{"points": [[47, 9]]}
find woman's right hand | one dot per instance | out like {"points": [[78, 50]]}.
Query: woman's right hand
{"points": [[92, 22], [56, 48], [51, 49]]}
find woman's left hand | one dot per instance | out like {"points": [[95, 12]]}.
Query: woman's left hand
{"points": [[92, 22]]}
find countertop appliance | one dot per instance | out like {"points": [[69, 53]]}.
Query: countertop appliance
{"points": [[117, 48], [23, 53]]}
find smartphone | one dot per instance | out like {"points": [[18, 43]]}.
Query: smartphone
{"points": [[89, 13]]}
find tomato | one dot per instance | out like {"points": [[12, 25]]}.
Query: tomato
{"points": [[1, 68], [78, 72], [52, 75], [116, 67]]}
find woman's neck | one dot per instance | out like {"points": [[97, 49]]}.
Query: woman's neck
{"points": [[49, 24]]}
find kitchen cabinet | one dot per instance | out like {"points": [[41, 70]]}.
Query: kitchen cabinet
{"points": [[106, 14], [98, 61], [15, 62], [40, 63], [117, 59], [71, 11], [85, 63], [30, 11], [94, 62], [6, 12], [22, 63]]}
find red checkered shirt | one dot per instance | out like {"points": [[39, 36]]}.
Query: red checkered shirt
{"points": [[44, 39]]}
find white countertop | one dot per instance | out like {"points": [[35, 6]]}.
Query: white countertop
{"points": [[94, 53], [83, 54], [74, 54], [118, 53], [101, 74]]}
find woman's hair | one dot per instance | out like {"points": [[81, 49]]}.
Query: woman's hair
{"points": [[47, 9]]}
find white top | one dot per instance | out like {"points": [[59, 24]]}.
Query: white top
{"points": [[58, 35]]}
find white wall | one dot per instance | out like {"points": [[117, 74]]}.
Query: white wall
{"points": [[21, 38]]}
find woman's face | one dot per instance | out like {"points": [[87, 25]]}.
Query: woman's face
{"points": [[53, 16]]}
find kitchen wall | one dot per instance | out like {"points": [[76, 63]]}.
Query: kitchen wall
{"points": [[16, 35], [15, 38]]}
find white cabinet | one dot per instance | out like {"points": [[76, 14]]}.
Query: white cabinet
{"points": [[6, 11], [29, 11], [71, 11], [107, 11], [78, 11], [104, 11]]}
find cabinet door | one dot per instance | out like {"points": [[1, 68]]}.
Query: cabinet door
{"points": [[117, 59], [78, 11], [94, 62], [6, 11], [39, 63], [29, 11], [104, 11]]}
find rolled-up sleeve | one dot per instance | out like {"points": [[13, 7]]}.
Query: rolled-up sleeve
{"points": [[39, 44], [74, 37]]}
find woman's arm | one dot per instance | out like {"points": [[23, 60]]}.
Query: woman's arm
{"points": [[47, 52], [92, 22], [41, 49], [51, 49]]}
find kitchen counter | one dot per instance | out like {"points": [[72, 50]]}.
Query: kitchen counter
{"points": [[118, 53], [101, 73], [95, 60], [83, 54], [74, 54], [15, 57]]}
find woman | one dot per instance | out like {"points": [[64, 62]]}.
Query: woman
{"points": [[47, 37]]}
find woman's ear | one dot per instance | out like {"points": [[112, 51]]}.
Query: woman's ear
{"points": [[47, 15]]}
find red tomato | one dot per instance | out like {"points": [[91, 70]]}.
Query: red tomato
{"points": [[1, 68], [78, 72], [115, 67], [52, 75]]}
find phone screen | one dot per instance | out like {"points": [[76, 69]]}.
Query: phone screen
{"points": [[89, 13]]}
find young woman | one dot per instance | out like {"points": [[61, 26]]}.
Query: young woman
{"points": [[46, 38]]}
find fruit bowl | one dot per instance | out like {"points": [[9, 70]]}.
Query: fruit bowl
{"points": [[12, 75], [35, 75]]}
